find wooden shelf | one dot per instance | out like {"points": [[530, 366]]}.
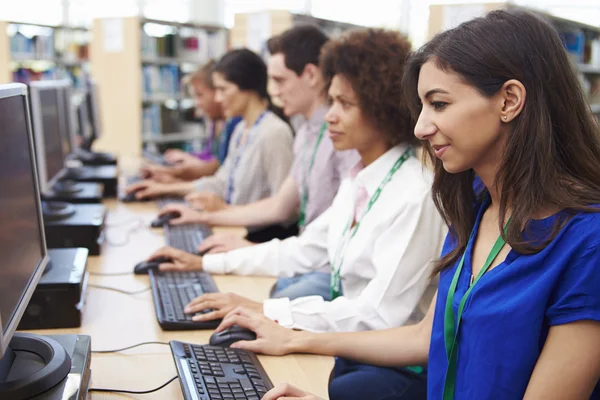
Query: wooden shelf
{"points": [[589, 69], [171, 137], [210, 28], [162, 97]]}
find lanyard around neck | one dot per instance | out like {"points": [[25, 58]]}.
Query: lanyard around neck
{"points": [[451, 327], [238, 155], [306, 177], [338, 260]]}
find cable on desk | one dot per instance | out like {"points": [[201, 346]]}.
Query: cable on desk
{"points": [[139, 225], [111, 224], [128, 347], [133, 391], [110, 273], [119, 290]]}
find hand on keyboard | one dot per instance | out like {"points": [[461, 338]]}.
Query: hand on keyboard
{"points": [[159, 173], [221, 303], [147, 188], [223, 242], [289, 392], [186, 214], [271, 338], [181, 260], [206, 201]]}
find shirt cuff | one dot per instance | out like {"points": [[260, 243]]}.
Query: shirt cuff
{"points": [[280, 311], [214, 263]]}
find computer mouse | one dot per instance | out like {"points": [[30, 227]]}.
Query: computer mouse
{"points": [[231, 335], [130, 197], [143, 267], [164, 219]]}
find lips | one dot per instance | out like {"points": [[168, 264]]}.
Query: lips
{"points": [[440, 149], [335, 134]]}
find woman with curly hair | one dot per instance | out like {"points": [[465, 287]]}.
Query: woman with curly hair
{"points": [[381, 234]]}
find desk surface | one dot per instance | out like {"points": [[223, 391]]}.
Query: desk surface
{"points": [[116, 320]]}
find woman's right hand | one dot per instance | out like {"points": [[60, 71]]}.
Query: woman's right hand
{"points": [[147, 189], [187, 215], [271, 338], [174, 156], [286, 391], [180, 260]]}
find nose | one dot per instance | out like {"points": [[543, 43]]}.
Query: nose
{"points": [[424, 127], [331, 117]]}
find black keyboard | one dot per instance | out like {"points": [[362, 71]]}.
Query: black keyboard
{"points": [[172, 291], [163, 201], [186, 237], [217, 373]]}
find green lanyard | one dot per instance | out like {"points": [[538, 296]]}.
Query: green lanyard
{"points": [[304, 198], [336, 265], [451, 328]]}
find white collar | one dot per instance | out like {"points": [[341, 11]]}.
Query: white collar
{"points": [[371, 176]]}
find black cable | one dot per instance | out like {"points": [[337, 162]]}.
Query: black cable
{"points": [[111, 273], [133, 391], [128, 347], [119, 290]]}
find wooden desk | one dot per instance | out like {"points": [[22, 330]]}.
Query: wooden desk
{"points": [[116, 320]]}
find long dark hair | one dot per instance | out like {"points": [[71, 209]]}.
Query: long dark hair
{"points": [[552, 156], [247, 71]]}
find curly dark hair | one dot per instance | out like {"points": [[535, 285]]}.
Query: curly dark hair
{"points": [[373, 61]]}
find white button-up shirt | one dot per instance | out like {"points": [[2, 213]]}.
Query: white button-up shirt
{"points": [[385, 275]]}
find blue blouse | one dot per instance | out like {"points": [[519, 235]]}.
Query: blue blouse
{"points": [[510, 310]]}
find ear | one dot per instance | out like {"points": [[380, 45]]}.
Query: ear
{"points": [[513, 95], [312, 74]]}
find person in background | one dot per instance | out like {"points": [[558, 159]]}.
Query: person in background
{"points": [[516, 154], [260, 150], [382, 232], [309, 189], [189, 166]]}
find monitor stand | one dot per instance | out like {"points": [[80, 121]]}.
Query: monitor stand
{"points": [[66, 187], [31, 365], [57, 210]]}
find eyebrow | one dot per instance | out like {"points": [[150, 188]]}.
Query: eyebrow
{"points": [[434, 91]]}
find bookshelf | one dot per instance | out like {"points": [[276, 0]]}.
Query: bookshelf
{"points": [[253, 29], [582, 41], [30, 52], [138, 64]]}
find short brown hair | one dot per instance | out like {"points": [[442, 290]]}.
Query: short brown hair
{"points": [[300, 46], [203, 74], [373, 60]]}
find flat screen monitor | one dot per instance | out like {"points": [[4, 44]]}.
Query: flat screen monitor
{"points": [[46, 106], [22, 242], [84, 128], [67, 118], [93, 102]]}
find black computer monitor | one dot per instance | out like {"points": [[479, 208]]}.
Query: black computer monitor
{"points": [[23, 250], [94, 109], [46, 105], [68, 127], [83, 126]]}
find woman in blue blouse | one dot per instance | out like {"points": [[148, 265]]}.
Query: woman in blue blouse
{"points": [[516, 154]]}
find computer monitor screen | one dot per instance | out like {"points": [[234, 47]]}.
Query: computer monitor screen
{"points": [[52, 138], [83, 121], [22, 243], [46, 111], [94, 110], [67, 119]]}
